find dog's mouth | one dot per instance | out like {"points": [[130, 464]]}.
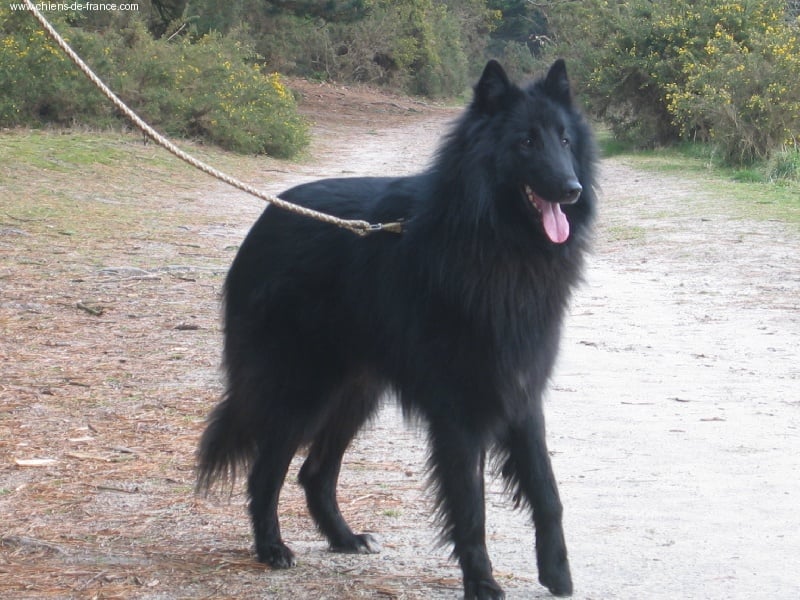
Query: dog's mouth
{"points": [[554, 221]]}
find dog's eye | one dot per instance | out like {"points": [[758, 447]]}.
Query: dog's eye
{"points": [[565, 142], [527, 142]]}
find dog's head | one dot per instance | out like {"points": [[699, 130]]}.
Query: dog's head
{"points": [[538, 147]]}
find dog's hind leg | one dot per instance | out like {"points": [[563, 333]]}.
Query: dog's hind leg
{"points": [[276, 447], [528, 468], [457, 459], [319, 474]]}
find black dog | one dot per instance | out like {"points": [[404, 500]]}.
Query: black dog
{"points": [[459, 316]]}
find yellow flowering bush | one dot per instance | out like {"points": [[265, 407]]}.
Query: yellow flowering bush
{"points": [[658, 71], [743, 95], [232, 103], [211, 88], [36, 79]]}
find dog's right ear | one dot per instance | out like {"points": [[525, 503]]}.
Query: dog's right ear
{"points": [[493, 89]]}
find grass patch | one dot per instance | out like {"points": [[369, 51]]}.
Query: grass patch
{"points": [[784, 165], [85, 147], [750, 191], [608, 145], [58, 164], [89, 193], [622, 233]]}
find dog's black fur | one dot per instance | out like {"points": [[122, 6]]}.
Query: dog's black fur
{"points": [[459, 317]]}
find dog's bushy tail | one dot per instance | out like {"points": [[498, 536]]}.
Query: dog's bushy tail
{"points": [[226, 447]]}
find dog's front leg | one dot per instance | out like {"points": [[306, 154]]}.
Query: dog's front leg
{"points": [[528, 469], [457, 460]]}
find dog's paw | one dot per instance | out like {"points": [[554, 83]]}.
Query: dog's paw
{"points": [[277, 556], [483, 589], [558, 580], [358, 544]]}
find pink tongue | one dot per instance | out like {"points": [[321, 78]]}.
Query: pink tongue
{"points": [[555, 222]]}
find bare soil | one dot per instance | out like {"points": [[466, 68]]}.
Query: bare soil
{"points": [[674, 415]]}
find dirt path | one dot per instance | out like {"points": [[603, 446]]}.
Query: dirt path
{"points": [[674, 418], [678, 398]]}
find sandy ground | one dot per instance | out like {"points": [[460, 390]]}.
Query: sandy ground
{"points": [[674, 415]]}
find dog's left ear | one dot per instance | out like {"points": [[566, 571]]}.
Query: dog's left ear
{"points": [[556, 83]]}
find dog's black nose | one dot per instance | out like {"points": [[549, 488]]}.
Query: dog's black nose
{"points": [[572, 191]]}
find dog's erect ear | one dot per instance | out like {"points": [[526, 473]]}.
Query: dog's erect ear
{"points": [[492, 89], [556, 84]]}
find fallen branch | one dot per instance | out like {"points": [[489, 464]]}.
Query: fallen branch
{"points": [[20, 541], [95, 312]]}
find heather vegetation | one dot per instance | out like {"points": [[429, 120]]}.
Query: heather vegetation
{"points": [[722, 73]]}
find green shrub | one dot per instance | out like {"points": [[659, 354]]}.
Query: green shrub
{"points": [[438, 62], [423, 47], [518, 61], [211, 89]]}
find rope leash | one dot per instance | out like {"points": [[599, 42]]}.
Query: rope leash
{"points": [[358, 227]]}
